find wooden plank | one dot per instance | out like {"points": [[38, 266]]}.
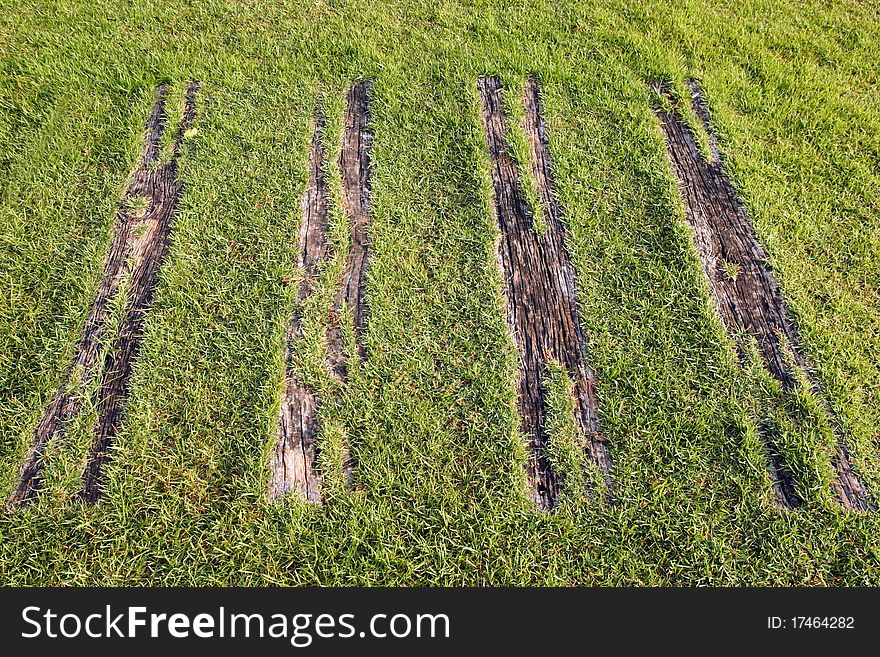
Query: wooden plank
{"points": [[747, 295], [146, 239], [294, 461], [539, 289], [354, 166]]}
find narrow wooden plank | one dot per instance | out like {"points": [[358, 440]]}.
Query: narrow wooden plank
{"points": [[294, 461], [539, 289], [68, 401], [354, 165], [146, 240], [747, 295]]}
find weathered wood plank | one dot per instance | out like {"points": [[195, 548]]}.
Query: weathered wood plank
{"points": [[146, 240], [354, 165], [294, 461], [539, 289], [747, 295]]}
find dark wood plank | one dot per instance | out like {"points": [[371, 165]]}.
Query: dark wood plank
{"points": [[294, 461], [747, 295], [354, 166], [539, 289], [146, 239]]}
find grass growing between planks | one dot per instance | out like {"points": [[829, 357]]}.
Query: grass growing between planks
{"points": [[439, 493]]}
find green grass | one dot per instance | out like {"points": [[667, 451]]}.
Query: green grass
{"points": [[430, 416]]}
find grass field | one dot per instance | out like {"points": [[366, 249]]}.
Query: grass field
{"points": [[430, 416]]}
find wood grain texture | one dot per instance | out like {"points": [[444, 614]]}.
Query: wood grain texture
{"points": [[131, 235], [294, 460], [539, 289], [354, 166], [747, 294], [571, 353], [146, 238]]}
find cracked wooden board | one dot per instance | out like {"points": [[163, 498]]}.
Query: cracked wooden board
{"points": [[747, 295], [148, 236], [140, 241], [294, 459], [539, 290], [354, 166]]}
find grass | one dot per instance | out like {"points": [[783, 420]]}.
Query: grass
{"points": [[430, 416]]}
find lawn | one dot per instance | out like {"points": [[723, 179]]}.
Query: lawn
{"points": [[439, 494]]}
